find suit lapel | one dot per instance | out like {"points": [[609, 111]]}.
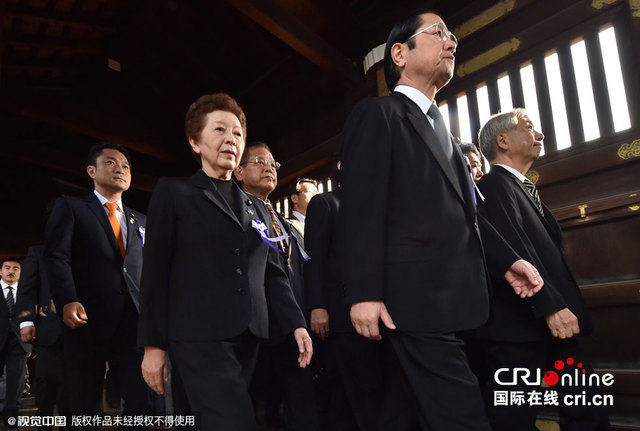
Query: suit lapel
{"points": [[203, 182], [531, 200], [248, 209], [132, 225], [420, 123], [98, 210]]}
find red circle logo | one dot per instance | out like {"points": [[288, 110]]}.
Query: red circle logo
{"points": [[551, 378]]}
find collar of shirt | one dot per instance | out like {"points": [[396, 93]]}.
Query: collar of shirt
{"points": [[122, 217], [299, 216], [513, 171], [5, 288], [104, 200], [416, 97]]}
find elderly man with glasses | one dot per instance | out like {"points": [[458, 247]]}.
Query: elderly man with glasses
{"points": [[408, 220], [257, 173]]}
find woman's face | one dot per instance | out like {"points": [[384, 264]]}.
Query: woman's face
{"points": [[220, 144]]}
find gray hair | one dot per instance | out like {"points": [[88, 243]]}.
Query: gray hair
{"points": [[499, 123]]}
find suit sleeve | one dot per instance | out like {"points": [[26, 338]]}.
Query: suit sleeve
{"points": [[57, 253], [317, 237], [27, 300], [365, 177], [157, 262], [501, 210], [282, 304]]}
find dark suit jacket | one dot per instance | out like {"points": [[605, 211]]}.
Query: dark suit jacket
{"points": [[34, 301], [9, 326], [323, 278], [513, 212], [83, 263], [408, 221], [207, 274]]}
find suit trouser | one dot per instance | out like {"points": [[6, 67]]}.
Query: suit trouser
{"points": [[48, 378], [216, 377], [296, 384], [15, 358], [85, 365], [355, 367], [540, 355], [430, 385]]}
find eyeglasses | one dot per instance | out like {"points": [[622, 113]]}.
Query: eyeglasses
{"points": [[263, 162], [441, 32]]}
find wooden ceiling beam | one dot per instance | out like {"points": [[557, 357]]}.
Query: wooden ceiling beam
{"points": [[46, 16], [299, 37], [89, 117]]}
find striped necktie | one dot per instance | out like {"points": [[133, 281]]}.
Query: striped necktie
{"points": [[276, 227], [10, 299], [531, 188]]}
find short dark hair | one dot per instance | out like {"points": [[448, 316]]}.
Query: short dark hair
{"points": [[467, 147], [195, 119], [11, 259], [294, 186], [253, 144], [96, 150], [400, 32]]}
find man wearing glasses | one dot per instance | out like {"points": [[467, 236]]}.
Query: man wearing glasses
{"points": [[408, 221], [257, 173]]}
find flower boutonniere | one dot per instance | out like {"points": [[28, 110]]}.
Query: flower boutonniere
{"points": [[141, 232]]}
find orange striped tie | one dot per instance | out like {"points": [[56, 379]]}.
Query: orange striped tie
{"points": [[115, 224]]}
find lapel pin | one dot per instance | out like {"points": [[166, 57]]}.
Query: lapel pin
{"points": [[248, 202], [132, 218]]}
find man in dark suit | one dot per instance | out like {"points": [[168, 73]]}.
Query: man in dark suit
{"points": [[534, 332], [93, 260], [407, 219], [257, 173], [356, 387], [13, 351], [40, 325], [300, 193]]}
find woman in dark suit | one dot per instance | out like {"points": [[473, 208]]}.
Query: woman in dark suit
{"points": [[210, 281]]}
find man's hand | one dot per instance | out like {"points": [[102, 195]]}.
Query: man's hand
{"points": [[524, 278], [305, 346], [563, 324], [154, 368], [320, 322], [73, 315], [28, 334], [365, 317]]}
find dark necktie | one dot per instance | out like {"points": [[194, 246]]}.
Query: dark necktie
{"points": [[441, 130], [10, 299], [531, 188], [276, 227], [115, 224]]}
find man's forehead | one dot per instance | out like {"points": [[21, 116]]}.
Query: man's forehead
{"points": [[430, 18], [260, 152], [110, 153], [10, 263]]}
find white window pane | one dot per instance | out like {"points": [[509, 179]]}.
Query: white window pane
{"points": [[463, 118], [444, 110], [504, 91], [615, 85], [558, 108], [585, 91], [329, 185], [530, 97], [484, 110], [320, 187], [286, 207], [278, 206]]}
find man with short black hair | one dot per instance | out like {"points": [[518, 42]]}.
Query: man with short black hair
{"points": [[257, 173], [93, 260], [13, 351], [407, 218]]}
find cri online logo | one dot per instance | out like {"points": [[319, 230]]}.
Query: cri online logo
{"points": [[579, 377]]}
